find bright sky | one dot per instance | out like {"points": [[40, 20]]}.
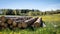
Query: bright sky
{"points": [[30, 4]]}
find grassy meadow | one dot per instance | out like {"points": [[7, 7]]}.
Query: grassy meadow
{"points": [[52, 27]]}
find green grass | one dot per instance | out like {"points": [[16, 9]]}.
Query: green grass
{"points": [[50, 21]]}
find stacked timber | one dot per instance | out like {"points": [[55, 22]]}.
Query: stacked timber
{"points": [[20, 22], [3, 25], [30, 21], [27, 23]]}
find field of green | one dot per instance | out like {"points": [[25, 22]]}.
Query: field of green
{"points": [[52, 27]]}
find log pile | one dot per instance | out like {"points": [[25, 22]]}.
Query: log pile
{"points": [[19, 22], [27, 23]]}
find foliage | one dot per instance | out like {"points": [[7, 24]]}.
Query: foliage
{"points": [[27, 12]]}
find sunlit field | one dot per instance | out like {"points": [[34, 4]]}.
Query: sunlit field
{"points": [[52, 27]]}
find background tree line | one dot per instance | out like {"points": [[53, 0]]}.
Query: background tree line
{"points": [[27, 12]]}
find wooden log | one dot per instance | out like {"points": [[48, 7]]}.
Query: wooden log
{"points": [[12, 27], [14, 24], [29, 22], [3, 25], [23, 25], [26, 23], [3, 19], [27, 18], [19, 25], [11, 24], [9, 21], [2, 22], [38, 23]]}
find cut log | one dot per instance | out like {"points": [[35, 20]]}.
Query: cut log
{"points": [[24, 25], [3, 19], [9, 21], [38, 23], [14, 24], [19, 25], [3, 25], [29, 22]]}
